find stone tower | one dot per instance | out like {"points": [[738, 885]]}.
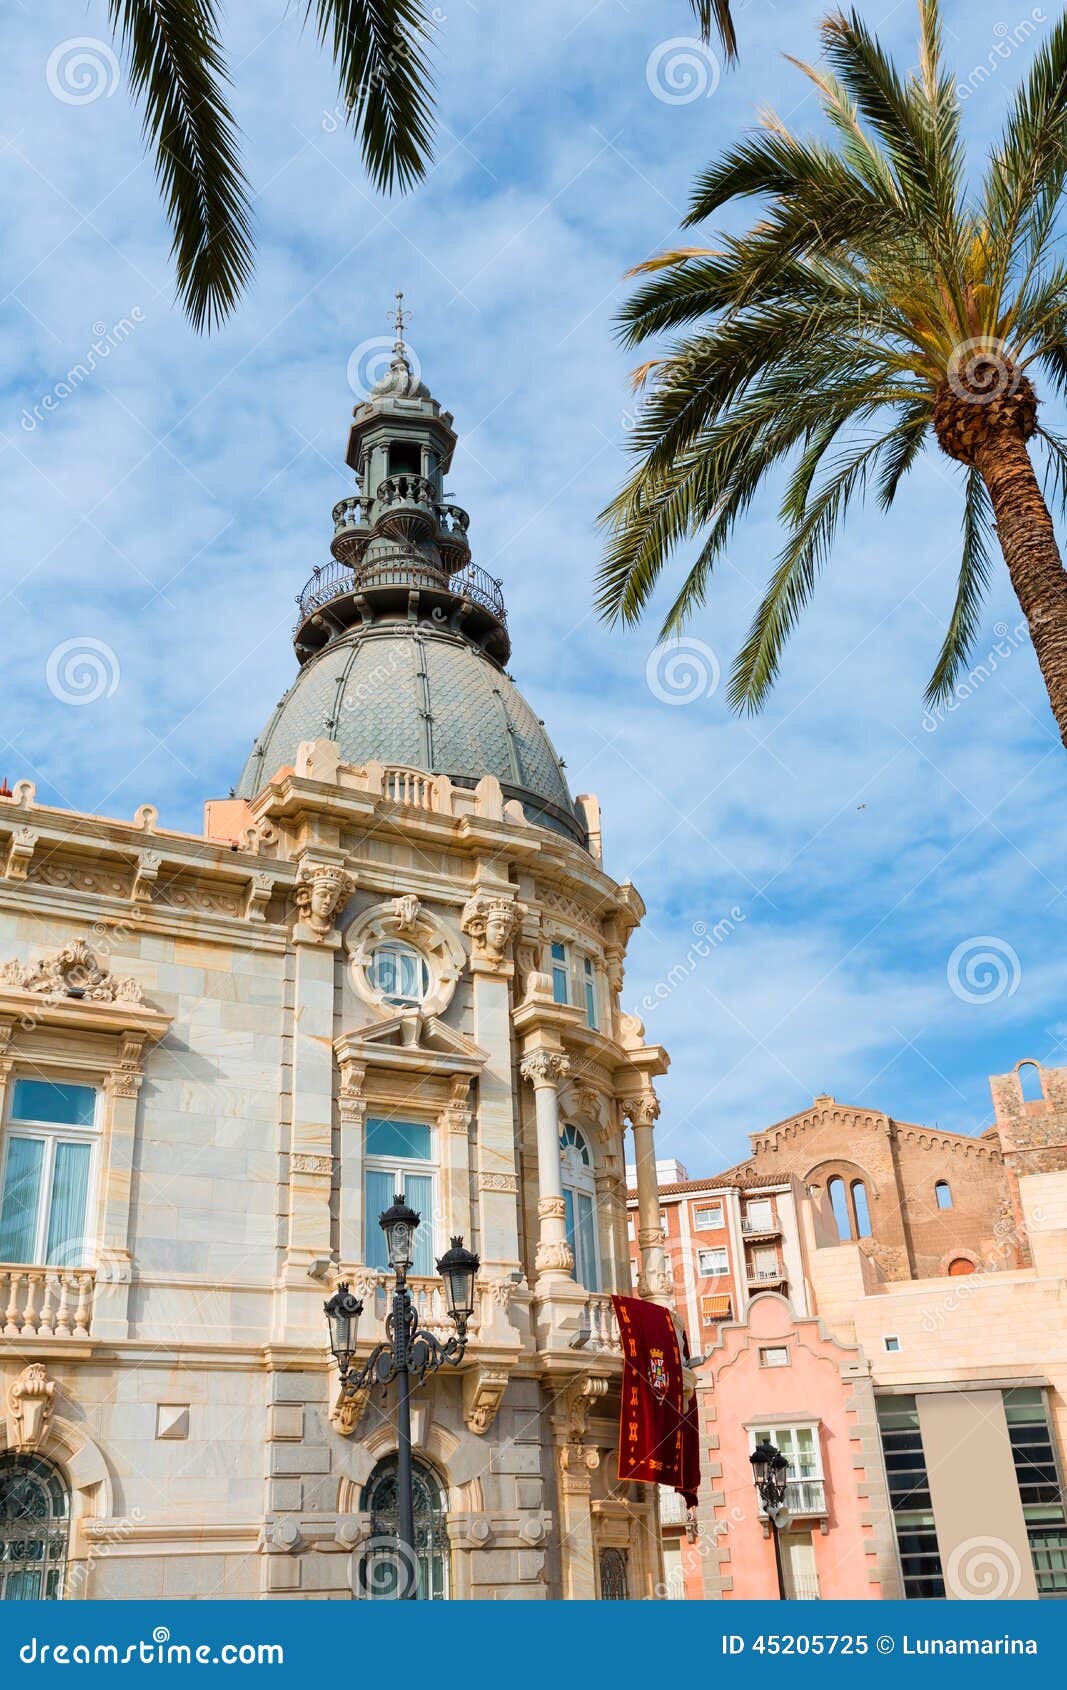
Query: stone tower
{"points": [[393, 957]]}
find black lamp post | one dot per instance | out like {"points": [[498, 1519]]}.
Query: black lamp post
{"points": [[407, 1351], [770, 1471]]}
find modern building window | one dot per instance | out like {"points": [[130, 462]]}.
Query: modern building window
{"points": [[909, 1497], [400, 974], [891, 1345], [715, 1308], [759, 1214], [46, 1164], [560, 975], [579, 1194], [943, 1194], [774, 1355], [34, 1529], [713, 1263], [398, 1156], [1040, 1489], [614, 1585], [764, 1265], [806, 1489], [839, 1203], [860, 1209], [708, 1218], [382, 1569]]}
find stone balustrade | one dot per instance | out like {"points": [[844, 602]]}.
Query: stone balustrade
{"points": [[46, 1302], [599, 1330], [410, 786]]}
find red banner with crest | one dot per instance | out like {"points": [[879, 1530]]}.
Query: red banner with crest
{"points": [[659, 1441]]}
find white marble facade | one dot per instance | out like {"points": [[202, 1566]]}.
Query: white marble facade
{"points": [[215, 998]]}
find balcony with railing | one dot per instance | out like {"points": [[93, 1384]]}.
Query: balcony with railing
{"points": [[406, 507], [804, 1499], [336, 593], [767, 1228], [765, 1276], [45, 1302], [598, 1329]]}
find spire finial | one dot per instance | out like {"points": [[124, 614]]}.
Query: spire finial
{"points": [[399, 318]]}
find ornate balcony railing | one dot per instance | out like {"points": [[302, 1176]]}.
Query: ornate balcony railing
{"points": [[598, 1332], [46, 1302], [406, 489], [410, 786], [400, 568]]}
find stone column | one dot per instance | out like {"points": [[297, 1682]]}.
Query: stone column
{"points": [[453, 1126], [490, 919], [546, 1070], [110, 1319], [654, 1282], [320, 892]]}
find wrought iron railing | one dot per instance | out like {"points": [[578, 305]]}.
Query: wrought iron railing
{"points": [[400, 568], [803, 1497]]}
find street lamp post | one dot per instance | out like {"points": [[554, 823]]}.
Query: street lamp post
{"points": [[770, 1471], [407, 1352]]}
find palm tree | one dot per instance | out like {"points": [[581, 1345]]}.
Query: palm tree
{"points": [[176, 67], [877, 300]]}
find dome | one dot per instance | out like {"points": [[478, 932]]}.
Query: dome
{"points": [[421, 697]]}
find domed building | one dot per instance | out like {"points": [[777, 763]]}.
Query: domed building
{"points": [[392, 962]]}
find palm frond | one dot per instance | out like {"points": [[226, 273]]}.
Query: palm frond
{"points": [[379, 48], [715, 15], [176, 68], [975, 569]]}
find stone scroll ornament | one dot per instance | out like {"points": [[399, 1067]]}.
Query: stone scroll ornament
{"points": [[73, 972], [320, 892], [490, 924], [31, 1402]]}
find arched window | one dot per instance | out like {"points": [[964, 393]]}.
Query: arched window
{"points": [[579, 1193], [860, 1209], [614, 1586], [943, 1194], [839, 1203], [34, 1529], [1030, 1082], [961, 1265], [400, 973], [383, 1569]]}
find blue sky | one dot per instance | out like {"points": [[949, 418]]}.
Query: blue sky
{"points": [[172, 505]]}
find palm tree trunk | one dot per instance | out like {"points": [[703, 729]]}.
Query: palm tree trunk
{"points": [[1028, 541]]}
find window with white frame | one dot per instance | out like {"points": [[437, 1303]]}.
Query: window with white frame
{"points": [[560, 974], [774, 1355], [46, 1172], [800, 1446], [400, 973], [579, 1194], [713, 1263], [707, 1217], [589, 992], [399, 1156]]}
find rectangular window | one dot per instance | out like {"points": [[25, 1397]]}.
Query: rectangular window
{"points": [[398, 1157], [909, 1498], [713, 1263], [560, 993], [1040, 1491], [709, 1218], [45, 1168], [758, 1214], [589, 987], [581, 1236], [892, 1345], [715, 1308], [774, 1355]]}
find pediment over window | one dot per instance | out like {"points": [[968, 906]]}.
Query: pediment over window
{"points": [[74, 988], [414, 1043]]}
